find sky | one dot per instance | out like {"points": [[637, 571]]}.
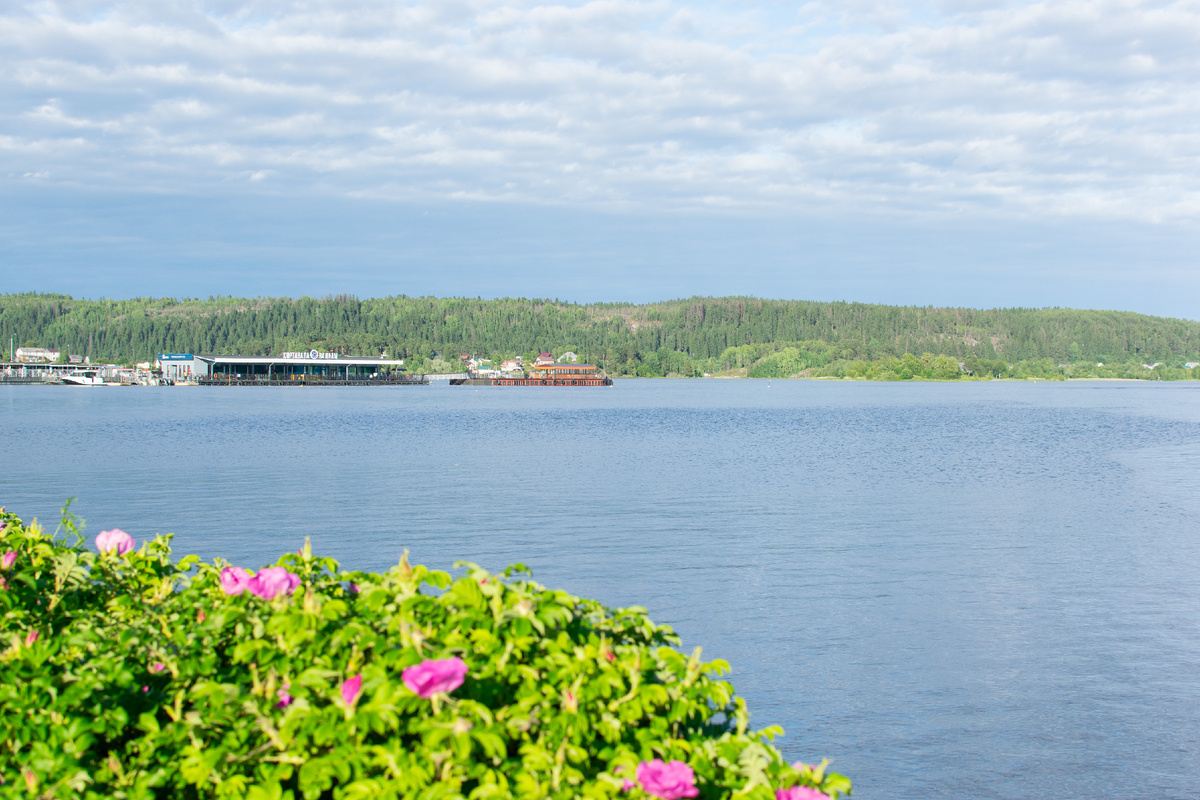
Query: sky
{"points": [[962, 152]]}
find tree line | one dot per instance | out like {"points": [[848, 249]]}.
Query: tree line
{"points": [[682, 337]]}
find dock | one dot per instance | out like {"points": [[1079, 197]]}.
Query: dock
{"points": [[310, 380]]}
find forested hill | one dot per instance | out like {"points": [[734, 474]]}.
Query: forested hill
{"points": [[700, 329]]}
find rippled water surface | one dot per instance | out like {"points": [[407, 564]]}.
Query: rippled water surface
{"points": [[952, 591]]}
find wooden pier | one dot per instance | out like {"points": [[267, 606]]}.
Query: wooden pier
{"points": [[30, 381]]}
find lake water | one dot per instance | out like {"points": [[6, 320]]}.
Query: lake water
{"points": [[981, 590]]}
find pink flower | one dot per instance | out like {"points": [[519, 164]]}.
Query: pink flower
{"points": [[801, 766], [669, 781], [627, 785], [116, 539], [800, 793], [145, 688], [234, 580], [8, 559], [32, 637], [285, 699], [435, 675], [351, 689], [354, 588], [269, 583], [157, 667]]}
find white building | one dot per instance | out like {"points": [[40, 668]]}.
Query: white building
{"points": [[34, 355], [177, 366]]}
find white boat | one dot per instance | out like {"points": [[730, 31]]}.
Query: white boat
{"points": [[83, 379]]}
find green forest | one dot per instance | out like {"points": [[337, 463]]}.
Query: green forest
{"points": [[693, 337]]}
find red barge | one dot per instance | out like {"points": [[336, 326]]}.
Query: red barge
{"points": [[542, 375]]}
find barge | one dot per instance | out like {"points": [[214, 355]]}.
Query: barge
{"points": [[541, 375]]}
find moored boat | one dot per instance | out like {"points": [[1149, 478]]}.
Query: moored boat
{"points": [[542, 375], [83, 379]]}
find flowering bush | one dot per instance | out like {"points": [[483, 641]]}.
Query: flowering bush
{"points": [[128, 674]]}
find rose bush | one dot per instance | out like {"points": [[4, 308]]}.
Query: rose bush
{"points": [[667, 781], [128, 674]]}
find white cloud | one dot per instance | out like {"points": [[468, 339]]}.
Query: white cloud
{"points": [[1066, 108]]}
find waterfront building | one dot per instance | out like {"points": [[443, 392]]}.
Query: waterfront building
{"points": [[176, 366], [294, 366]]}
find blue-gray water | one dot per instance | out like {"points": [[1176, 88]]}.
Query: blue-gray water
{"points": [[952, 591]]}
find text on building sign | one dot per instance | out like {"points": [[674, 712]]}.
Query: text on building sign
{"points": [[310, 354]]}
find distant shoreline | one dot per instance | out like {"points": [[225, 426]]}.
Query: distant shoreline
{"points": [[877, 380], [694, 336]]}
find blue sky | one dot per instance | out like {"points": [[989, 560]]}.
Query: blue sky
{"points": [[948, 153]]}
